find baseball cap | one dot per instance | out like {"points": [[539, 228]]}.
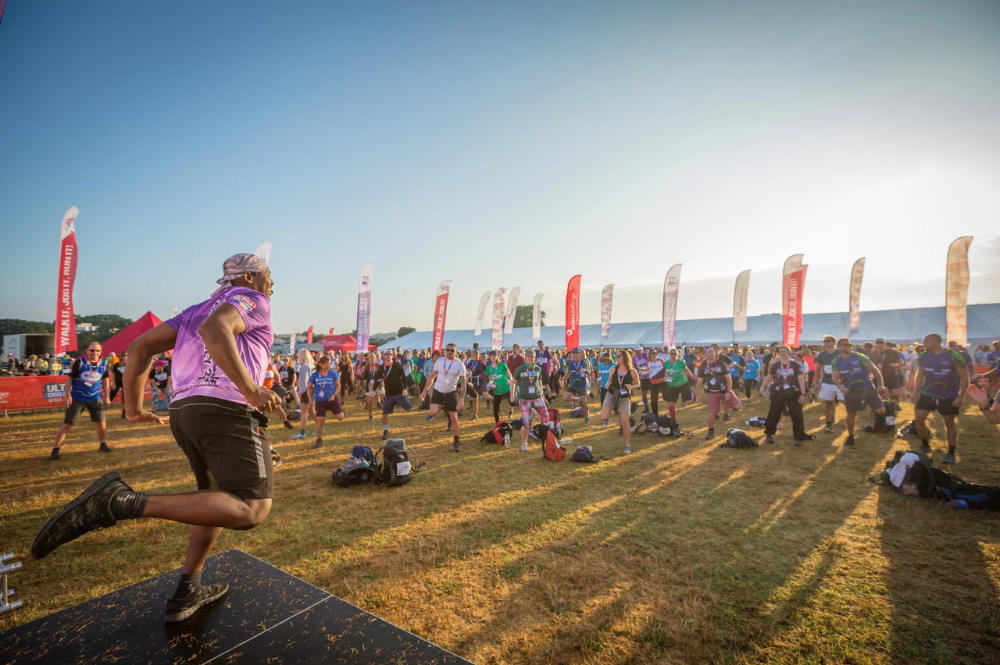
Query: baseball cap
{"points": [[575, 350]]}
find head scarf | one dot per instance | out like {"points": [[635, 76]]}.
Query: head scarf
{"points": [[239, 264]]}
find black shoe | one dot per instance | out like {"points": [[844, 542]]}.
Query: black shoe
{"points": [[319, 444], [55, 454], [769, 439], [710, 435], [385, 434], [926, 449], [725, 417], [457, 448], [104, 448], [288, 425], [850, 441], [949, 459], [179, 609], [88, 512]]}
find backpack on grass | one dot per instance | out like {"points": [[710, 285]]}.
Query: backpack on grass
{"points": [[395, 467], [358, 469], [739, 439], [556, 425], [584, 454], [551, 447], [668, 426], [499, 435], [651, 423]]}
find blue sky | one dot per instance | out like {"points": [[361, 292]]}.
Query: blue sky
{"points": [[497, 144]]}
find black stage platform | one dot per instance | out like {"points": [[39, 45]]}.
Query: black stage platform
{"points": [[268, 616]]}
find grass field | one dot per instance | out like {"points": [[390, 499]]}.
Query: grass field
{"points": [[678, 553]]}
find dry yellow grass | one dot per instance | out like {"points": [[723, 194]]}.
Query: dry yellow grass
{"points": [[678, 553]]}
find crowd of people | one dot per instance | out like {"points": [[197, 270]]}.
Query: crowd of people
{"points": [[222, 378]]}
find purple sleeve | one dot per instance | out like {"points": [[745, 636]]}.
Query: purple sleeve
{"points": [[253, 308]]}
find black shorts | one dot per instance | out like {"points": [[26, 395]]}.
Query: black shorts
{"points": [[448, 400], [224, 441], [673, 392], [304, 397], [644, 385], [942, 405], [892, 380], [96, 410], [855, 400]]}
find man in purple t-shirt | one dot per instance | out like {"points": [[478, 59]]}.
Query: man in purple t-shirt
{"points": [[221, 350]]}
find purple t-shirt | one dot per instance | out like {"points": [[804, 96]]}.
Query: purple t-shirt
{"points": [[194, 371]]}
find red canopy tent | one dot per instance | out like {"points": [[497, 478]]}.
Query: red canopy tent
{"points": [[120, 340], [342, 343]]}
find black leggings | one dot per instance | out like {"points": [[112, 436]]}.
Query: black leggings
{"points": [[497, 401], [346, 384], [656, 389], [779, 402], [749, 385]]}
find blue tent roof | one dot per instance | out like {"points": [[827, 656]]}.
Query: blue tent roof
{"points": [[895, 325]]}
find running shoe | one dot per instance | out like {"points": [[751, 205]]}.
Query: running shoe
{"points": [[457, 448], [88, 512], [318, 444], [524, 447], [369, 417], [385, 434], [288, 425], [296, 437], [104, 448], [179, 609], [628, 450], [586, 420], [55, 454], [769, 439], [850, 441], [829, 429], [949, 459], [430, 417], [710, 435], [725, 416]]}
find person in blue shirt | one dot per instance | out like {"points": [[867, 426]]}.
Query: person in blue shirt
{"points": [[324, 386], [751, 373], [852, 375], [578, 380], [85, 383], [604, 368], [940, 385]]}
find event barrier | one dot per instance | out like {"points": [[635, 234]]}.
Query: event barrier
{"points": [[27, 393]]}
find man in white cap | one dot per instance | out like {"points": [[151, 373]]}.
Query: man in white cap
{"points": [[221, 352]]}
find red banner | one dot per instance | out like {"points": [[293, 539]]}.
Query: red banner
{"points": [[792, 287], [309, 335], [65, 320], [573, 313], [440, 312], [25, 393]]}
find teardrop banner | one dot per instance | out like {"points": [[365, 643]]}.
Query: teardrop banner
{"points": [[536, 317], [65, 317], [440, 313], [484, 302], [264, 251], [957, 291], [740, 295], [291, 343], [508, 320], [671, 288], [498, 319], [854, 297], [606, 297], [793, 284], [309, 335], [573, 313], [364, 308]]}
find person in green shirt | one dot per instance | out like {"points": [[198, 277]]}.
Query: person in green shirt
{"points": [[528, 390], [823, 386], [499, 384], [678, 380]]}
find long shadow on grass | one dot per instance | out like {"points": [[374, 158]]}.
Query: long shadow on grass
{"points": [[944, 603]]}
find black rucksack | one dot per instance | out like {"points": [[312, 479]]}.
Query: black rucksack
{"points": [[394, 468], [885, 423], [739, 439], [668, 426], [583, 454], [499, 435], [651, 423]]}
